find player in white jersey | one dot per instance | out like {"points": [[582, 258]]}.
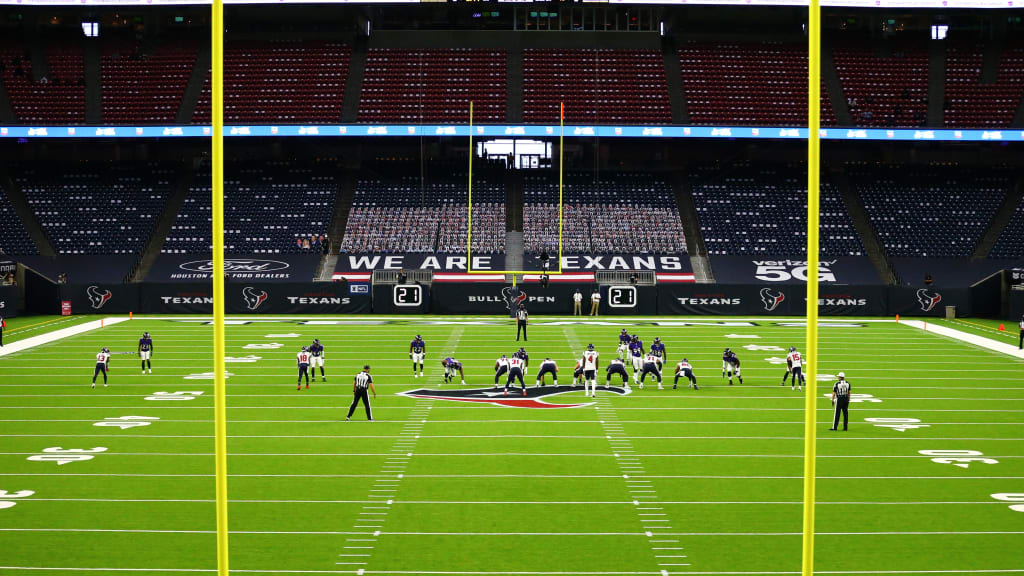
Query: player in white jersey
{"points": [[102, 366], [500, 368], [302, 359], [516, 365], [591, 362], [795, 363], [548, 366], [652, 365], [685, 370]]}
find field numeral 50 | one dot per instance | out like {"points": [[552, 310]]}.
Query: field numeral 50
{"points": [[174, 395], [64, 456], [960, 458]]}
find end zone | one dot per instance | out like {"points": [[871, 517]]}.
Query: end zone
{"points": [[41, 339]]}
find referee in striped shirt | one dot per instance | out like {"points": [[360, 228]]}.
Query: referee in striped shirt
{"points": [[840, 402], [362, 381]]}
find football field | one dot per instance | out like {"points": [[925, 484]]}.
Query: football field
{"points": [[929, 479]]}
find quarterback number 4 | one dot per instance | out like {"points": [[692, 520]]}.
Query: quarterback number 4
{"points": [[959, 458]]}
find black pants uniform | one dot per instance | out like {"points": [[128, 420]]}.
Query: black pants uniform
{"points": [[101, 368], [798, 375], [842, 408], [1020, 343], [513, 374], [521, 329], [360, 394], [576, 375], [619, 369], [304, 371], [688, 374], [650, 368], [502, 370], [547, 370]]}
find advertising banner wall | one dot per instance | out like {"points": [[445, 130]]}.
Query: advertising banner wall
{"points": [[745, 299], [101, 298], [366, 262], [173, 268], [7, 267], [771, 270], [9, 301], [254, 298], [908, 301], [1016, 307]]}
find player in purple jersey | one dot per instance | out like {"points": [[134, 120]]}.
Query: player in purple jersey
{"points": [[451, 367], [658, 349], [624, 339], [146, 352], [417, 352]]}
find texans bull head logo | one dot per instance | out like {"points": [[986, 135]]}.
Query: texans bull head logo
{"points": [[771, 299], [535, 397], [254, 299], [928, 301], [511, 302], [98, 298]]}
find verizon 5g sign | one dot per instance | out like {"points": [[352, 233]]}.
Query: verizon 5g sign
{"points": [[783, 270], [786, 270]]}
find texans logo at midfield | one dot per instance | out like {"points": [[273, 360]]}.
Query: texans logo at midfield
{"points": [[510, 302], [928, 301], [254, 299], [534, 396], [771, 299], [96, 298]]}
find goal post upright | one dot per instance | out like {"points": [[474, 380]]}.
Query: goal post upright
{"points": [[217, 217], [813, 214], [469, 219]]}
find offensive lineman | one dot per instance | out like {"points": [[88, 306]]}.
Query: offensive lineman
{"points": [[316, 350], [636, 355], [146, 351], [102, 366], [302, 360], [516, 365], [500, 368], [577, 373], [624, 340], [548, 366], [417, 351], [616, 367], [591, 363], [795, 364], [521, 353], [731, 364], [652, 365], [451, 366], [685, 370]]}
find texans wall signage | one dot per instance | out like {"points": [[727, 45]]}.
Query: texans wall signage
{"points": [[769, 300], [367, 262], [856, 270], [249, 268], [101, 298]]}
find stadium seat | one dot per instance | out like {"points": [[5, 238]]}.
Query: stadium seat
{"points": [[14, 239], [884, 89], [60, 99], [970, 103], [144, 86]]}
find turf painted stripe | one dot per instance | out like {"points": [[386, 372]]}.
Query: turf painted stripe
{"points": [[49, 337], [976, 340], [504, 534]]}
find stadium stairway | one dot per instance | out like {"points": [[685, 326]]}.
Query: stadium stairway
{"points": [[833, 85], [194, 88], [339, 220], [6, 112], [1001, 218], [27, 216], [691, 230], [513, 250], [513, 86], [936, 83], [353, 85], [674, 80], [514, 201], [868, 236], [93, 83], [163, 226]]}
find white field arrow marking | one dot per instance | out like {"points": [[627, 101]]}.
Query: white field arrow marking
{"points": [[268, 346], [757, 347], [242, 359], [290, 335], [206, 376], [742, 336], [775, 360]]}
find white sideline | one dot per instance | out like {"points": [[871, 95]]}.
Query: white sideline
{"points": [[57, 335], [981, 341]]}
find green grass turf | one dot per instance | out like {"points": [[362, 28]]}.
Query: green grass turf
{"points": [[679, 481], [28, 326]]}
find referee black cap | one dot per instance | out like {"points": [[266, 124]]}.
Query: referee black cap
{"points": [[366, 366]]}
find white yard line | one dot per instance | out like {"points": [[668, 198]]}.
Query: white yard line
{"points": [[49, 337], [980, 341]]}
